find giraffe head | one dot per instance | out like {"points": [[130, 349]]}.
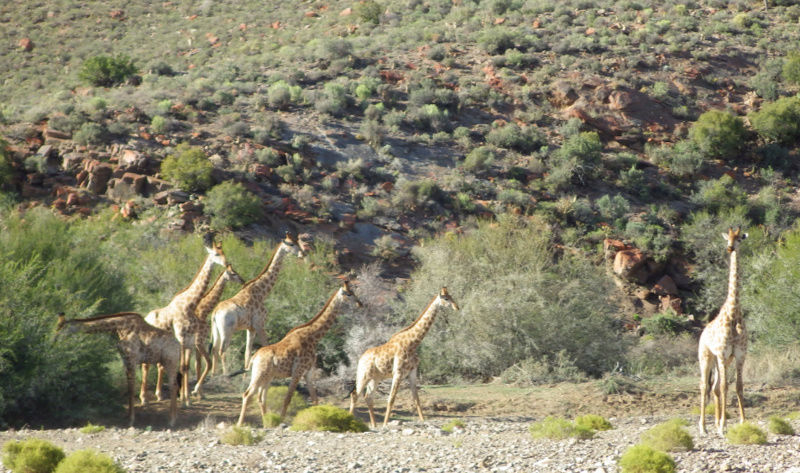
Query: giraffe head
{"points": [[214, 250], [292, 246], [231, 275], [445, 299], [733, 238], [346, 292], [62, 319]]}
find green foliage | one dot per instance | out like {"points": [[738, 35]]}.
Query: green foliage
{"points": [[91, 133], [88, 461], [280, 94], [559, 429], [511, 136], [6, 165], [277, 394], [593, 422], [497, 40], [90, 428], [718, 134], [333, 99], [243, 435], [159, 124], [271, 420], [778, 121], [453, 425], [684, 159], [665, 323], [369, 11], [479, 159], [791, 68], [778, 425], [41, 377], [547, 306], [327, 418], [746, 434], [577, 158], [718, 195], [230, 205], [643, 459], [612, 208], [188, 168], [31, 456], [107, 71], [670, 436]]}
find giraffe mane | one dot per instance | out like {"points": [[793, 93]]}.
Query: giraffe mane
{"points": [[106, 316], [266, 267], [420, 315], [319, 314]]}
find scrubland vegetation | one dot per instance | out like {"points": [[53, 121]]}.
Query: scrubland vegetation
{"points": [[492, 146]]}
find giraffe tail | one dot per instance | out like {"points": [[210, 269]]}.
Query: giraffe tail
{"points": [[352, 390], [236, 373]]}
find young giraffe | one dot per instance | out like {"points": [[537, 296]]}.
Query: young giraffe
{"points": [[245, 310], [179, 315], [397, 359], [723, 340], [295, 355], [139, 342], [204, 308]]}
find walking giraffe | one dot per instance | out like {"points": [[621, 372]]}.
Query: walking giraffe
{"points": [[245, 310], [139, 342], [295, 355], [723, 340], [397, 359]]}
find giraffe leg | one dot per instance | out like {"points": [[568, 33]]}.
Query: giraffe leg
{"points": [[370, 404], [248, 347], [159, 381], [705, 369], [197, 365], [392, 396], [131, 376], [289, 392], [412, 384], [198, 387], [143, 389], [262, 397], [172, 381], [185, 354], [740, 387], [716, 392], [312, 388], [723, 396], [215, 345], [255, 388]]}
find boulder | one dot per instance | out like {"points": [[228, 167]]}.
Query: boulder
{"points": [[563, 94], [25, 44], [628, 262], [132, 161], [155, 185], [126, 187], [98, 176], [665, 287], [71, 161], [671, 302]]}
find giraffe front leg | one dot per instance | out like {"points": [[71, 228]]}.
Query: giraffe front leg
{"points": [[198, 387], [248, 348], [723, 397], [159, 381], [392, 396], [705, 369], [185, 354], [371, 405], [312, 388], [412, 384], [289, 392], [740, 388], [131, 376], [143, 389], [172, 381]]}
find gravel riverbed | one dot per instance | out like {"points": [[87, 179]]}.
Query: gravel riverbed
{"points": [[484, 445]]}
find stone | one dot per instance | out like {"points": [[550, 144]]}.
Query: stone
{"points": [[99, 175], [671, 302], [126, 187], [665, 286], [71, 161], [25, 44], [626, 262], [155, 185], [133, 161], [346, 12], [47, 151], [611, 247], [55, 134], [619, 100], [563, 94]]}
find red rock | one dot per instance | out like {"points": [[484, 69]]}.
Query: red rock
{"points": [[25, 44], [537, 23], [346, 12], [55, 134], [499, 21], [611, 246], [666, 286], [60, 204], [627, 261], [619, 100], [671, 302], [73, 199], [563, 94], [117, 14], [387, 186], [590, 31], [310, 14]]}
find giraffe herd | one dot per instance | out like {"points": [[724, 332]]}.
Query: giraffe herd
{"points": [[167, 336]]}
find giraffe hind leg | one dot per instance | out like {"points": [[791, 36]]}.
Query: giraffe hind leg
{"points": [[705, 371], [740, 388]]}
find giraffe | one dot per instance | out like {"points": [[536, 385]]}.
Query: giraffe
{"points": [[397, 359], [295, 355], [723, 340], [179, 315], [139, 342], [204, 308], [245, 310]]}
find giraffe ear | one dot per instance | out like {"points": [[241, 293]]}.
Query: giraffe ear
{"points": [[61, 319], [744, 235], [443, 292], [724, 236]]}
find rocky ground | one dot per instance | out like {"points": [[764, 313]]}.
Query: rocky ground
{"points": [[486, 444]]}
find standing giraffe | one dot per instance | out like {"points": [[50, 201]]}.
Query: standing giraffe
{"points": [[139, 342], [295, 355], [204, 309], [179, 315], [245, 310], [723, 340], [397, 359]]}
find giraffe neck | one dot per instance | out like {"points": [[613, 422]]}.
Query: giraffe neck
{"points": [[733, 285], [321, 323], [191, 296], [264, 282], [118, 324], [210, 299], [415, 332]]}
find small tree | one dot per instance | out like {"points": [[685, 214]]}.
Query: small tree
{"points": [[718, 133], [779, 121], [188, 168], [231, 206], [107, 71], [791, 68]]}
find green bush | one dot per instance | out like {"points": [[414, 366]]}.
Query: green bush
{"points": [[243, 435], [107, 71], [31, 456], [779, 121], [593, 422], [277, 394], [791, 68], [512, 260], [718, 195], [91, 133], [479, 159], [577, 158], [88, 461], [327, 418], [452, 425], [511, 136], [612, 208], [230, 205], [670, 436], [369, 11], [188, 168], [497, 40], [779, 426], [718, 134], [665, 323], [333, 100], [746, 434], [6, 165], [271, 419], [280, 94], [558, 429], [159, 124], [92, 429], [684, 159], [643, 459]]}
